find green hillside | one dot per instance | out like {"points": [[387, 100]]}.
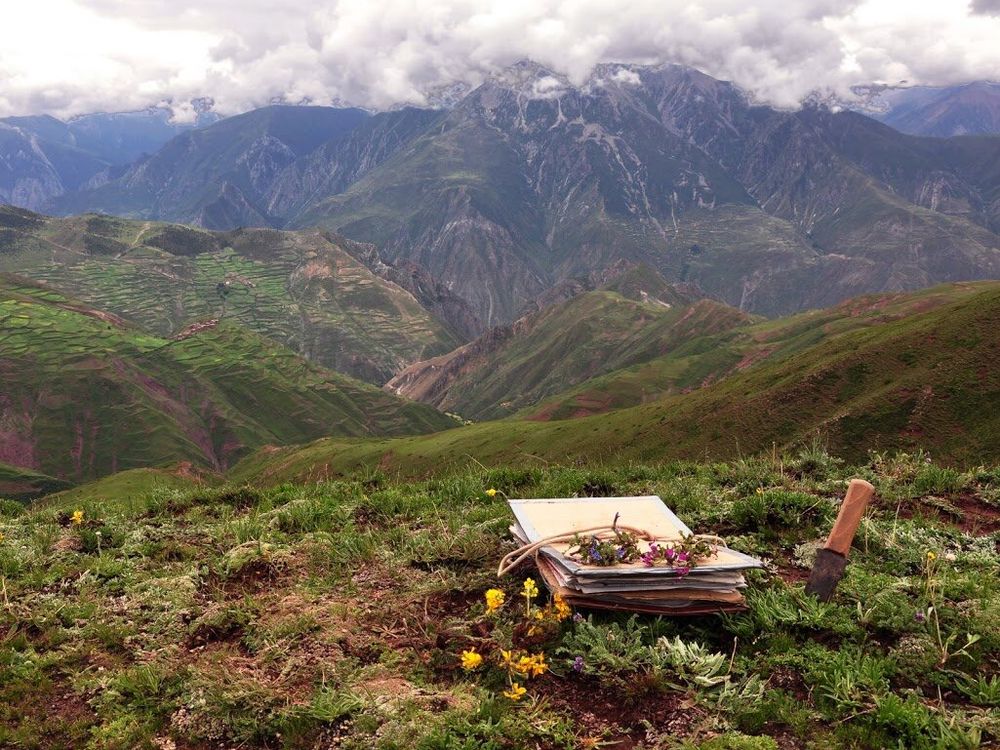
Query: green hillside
{"points": [[707, 359], [304, 290], [635, 318], [930, 379], [17, 483], [84, 394]]}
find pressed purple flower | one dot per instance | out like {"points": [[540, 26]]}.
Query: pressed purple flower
{"points": [[578, 664], [669, 554], [683, 557], [649, 556], [620, 553]]}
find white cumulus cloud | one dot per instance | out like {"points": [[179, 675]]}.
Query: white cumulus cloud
{"points": [[66, 57]]}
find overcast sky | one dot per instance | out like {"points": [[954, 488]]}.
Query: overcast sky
{"points": [[67, 57]]}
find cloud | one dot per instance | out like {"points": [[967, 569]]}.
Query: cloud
{"points": [[987, 7], [626, 77], [71, 56]]}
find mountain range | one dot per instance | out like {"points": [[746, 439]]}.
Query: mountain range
{"points": [[529, 180], [970, 109], [42, 157], [647, 258]]}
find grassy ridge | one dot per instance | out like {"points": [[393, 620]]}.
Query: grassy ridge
{"points": [[84, 394], [929, 379], [705, 359], [336, 614], [636, 318], [17, 483]]}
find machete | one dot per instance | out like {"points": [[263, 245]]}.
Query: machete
{"points": [[832, 559]]}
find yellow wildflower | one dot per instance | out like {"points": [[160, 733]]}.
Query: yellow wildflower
{"points": [[494, 600], [516, 692], [506, 659], [524, 665], [471, 660], [77, 517], [491, 492], [530, 590], [1, 536], [760, 490], [562, 610], [538, 665], [931, 556]]}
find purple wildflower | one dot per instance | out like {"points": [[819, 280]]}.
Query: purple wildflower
{"points": [[683, 558], [577, 617], [649, 557], [919, 615], [669, 554], [578, 664]]}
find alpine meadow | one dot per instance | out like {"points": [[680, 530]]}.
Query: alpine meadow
{"points": [[545, 375]]}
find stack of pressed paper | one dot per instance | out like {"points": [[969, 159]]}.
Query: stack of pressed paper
{"points": [[654, 578]]}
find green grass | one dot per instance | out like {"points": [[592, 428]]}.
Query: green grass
{"points": [[306, 615], [86, 395]]}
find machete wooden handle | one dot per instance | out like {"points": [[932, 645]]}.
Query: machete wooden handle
{"points": [[859, 492]]}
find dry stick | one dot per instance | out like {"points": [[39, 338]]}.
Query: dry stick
{"points": [[475, 460]]}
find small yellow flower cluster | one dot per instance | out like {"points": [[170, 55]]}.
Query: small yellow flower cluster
{"points": [[523, 665], [931, 556], [471, 660], [491, 492], [557, 611], [520, 665], [516, 692], [77, 517], [494, 600], [530, 590], [560, 609]]}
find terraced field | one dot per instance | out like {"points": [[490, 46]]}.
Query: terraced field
{"points": [[303, 290], [84, 394]]}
